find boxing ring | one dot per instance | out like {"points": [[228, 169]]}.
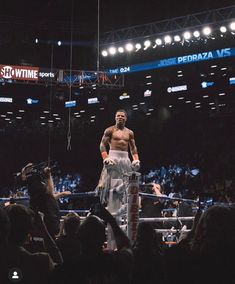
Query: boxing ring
{"points": [[130, 217]]}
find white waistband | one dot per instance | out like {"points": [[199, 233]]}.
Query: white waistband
{"points": [[118, 154]]}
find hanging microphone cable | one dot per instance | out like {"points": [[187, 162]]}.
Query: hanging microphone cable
{"points": [[69, 148], [50, 106], [98, 38]]}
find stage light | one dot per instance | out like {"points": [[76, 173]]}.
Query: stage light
{"points": [[129, 47], [223, 29], [59, 43], [232, 26], [120, 49], [167, 39], [158, 41], [147, 44], [104, 53], [138, 46], [196, 34], [112, 50], [177, 38], [206, 31], [36, 40], [187, 35]]}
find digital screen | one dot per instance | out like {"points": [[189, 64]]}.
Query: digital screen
{"points": [[207, 84], [147, 93], [191, 58], [93, 101], [177, 89], [70, 103], [232, 81], [32, 101], [6, 100]]}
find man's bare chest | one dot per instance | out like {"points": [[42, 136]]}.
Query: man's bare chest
{"points": [[121, 135]]}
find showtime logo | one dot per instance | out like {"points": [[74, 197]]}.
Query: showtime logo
{"points": [[7, 72], [19, 72]]}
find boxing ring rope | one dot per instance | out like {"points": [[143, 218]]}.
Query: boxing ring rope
{"points": [[6, 199], [148, 195], [153, 196], [174, 231], [160, 219], [75, 211], [79, 194]]}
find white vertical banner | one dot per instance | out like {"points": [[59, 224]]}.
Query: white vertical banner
{"points": [[133, 206]]}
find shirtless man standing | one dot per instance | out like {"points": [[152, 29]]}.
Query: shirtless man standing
{"points": [[117, 164]]}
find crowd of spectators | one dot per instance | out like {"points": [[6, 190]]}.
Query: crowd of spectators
{"points": [[36, 246], [192, 181], [78, 254]]}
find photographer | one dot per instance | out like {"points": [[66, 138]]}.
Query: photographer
{"points": [[151, 208], [42, 196]]}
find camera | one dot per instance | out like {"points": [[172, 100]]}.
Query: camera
{"points": [[34, 175], [146, 188]]}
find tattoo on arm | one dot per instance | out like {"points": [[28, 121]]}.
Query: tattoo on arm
{"points": [[105, 140], [133, 147]]}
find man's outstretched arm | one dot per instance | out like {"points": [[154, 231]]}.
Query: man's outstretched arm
{"points": [[122, 241]]}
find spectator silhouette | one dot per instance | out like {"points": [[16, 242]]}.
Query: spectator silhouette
{"points": [[213, 246], [35, 268], [4, 227], [68, 241], [148, 262]]}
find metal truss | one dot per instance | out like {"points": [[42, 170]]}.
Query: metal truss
{"points": [[91, 79], [212, 17], [76, 78]]}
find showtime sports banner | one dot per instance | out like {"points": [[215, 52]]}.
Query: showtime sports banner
{"points": [[19, 72]]}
